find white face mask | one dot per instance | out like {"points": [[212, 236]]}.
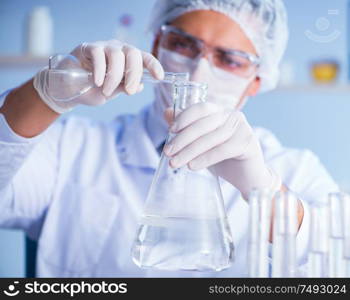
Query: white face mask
{"points": [[227, 91]]}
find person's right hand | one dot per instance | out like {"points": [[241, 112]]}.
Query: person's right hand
{"points": [[116, 66]]}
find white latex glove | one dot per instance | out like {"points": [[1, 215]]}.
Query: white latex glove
{"points": [[110, 62], [209, 135]]}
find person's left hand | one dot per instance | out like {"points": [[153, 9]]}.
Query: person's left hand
{"points": [[209, 135]]}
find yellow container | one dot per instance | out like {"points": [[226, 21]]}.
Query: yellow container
{"points": [[325, 72]]}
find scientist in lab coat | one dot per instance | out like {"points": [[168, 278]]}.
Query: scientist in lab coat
{"points": [[78, 186]]}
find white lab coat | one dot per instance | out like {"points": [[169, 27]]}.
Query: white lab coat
{"points": [[79, 188]]}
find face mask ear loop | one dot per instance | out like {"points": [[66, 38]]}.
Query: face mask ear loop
{"points": [[241, 103], [244, 100]]}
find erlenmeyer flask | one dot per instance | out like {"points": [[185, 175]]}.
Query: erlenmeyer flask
{"points": [[184, 224], [67, 79]]}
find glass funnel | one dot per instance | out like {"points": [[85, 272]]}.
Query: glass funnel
{"points": [[184, 224], [67, 79]]}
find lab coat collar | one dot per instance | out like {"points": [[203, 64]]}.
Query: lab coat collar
{"points": [[134, 144]]}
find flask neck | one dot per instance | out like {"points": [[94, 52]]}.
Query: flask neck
{"points": [[188, 93]]}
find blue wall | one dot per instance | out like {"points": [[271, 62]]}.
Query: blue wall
{"points": [[315, 120]]}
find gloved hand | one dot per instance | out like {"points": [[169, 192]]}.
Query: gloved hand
{"points": [[110, 62], [208, 135]]}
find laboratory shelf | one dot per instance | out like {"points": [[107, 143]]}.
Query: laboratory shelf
{"points": [[19, 62], [22, 62], [314, 88]]}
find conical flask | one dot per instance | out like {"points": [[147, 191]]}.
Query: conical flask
{"points": [[184, 224]]}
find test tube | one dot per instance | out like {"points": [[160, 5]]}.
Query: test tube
{"points": [[285, 229], [319, 252], [336, 237], [260, 220], [346, 227], [253, 242]]}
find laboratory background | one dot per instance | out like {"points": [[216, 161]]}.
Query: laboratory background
{"points": [[310, 109]]}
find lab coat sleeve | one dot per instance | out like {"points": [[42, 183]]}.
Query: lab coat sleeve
{"points": [[27, 175]]}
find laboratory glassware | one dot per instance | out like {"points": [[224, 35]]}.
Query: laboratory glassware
{"points": [[184, 224], [67, 79], [259, 230], [336, 237], [346, 228], [285, 227], [39, 32], [319, 252]]}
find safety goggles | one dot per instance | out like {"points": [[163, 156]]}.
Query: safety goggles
{"points": [[232, 61]]}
